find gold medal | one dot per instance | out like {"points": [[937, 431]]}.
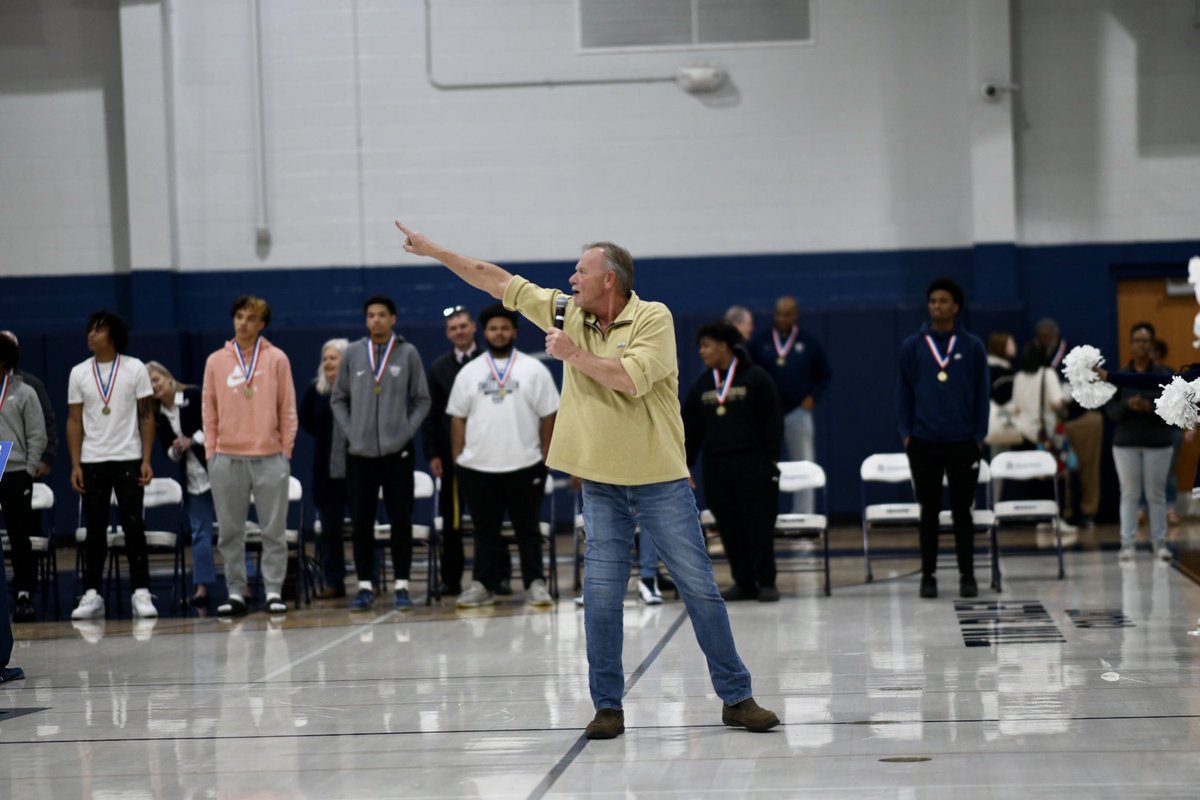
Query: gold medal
{"points": [[106, 411], [378, 389], [781, 361], [943, 377], [502, 393], [720, 411], [248, 391]]}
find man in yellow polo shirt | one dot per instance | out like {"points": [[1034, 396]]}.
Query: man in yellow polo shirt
{"points": [[620, 431]]}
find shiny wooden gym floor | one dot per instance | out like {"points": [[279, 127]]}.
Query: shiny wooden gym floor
{"points": [[1086, 687]]}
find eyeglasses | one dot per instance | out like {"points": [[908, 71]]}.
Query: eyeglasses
{"points": [[450, 311]]}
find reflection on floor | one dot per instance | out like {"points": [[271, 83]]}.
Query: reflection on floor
{"points": [[1085, 687]]}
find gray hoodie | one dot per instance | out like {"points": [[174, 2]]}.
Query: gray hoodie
{"points": [[385, 423], [22, 423]]}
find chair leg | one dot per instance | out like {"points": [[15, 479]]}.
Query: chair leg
{"points": [[867, 553], [552, 574], [1058, 540], [828, 588]]}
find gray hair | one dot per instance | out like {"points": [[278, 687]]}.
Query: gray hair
{"points": [[618, 261], [736, 314], [323, 385]]}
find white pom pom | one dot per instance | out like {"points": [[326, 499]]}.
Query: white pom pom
{"points": [[1092, 395], [1177, 403], [1194, 270], [1079, 365]]}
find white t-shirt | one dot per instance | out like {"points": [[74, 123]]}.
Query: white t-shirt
{"points": [[502, 430], [113, 436]]}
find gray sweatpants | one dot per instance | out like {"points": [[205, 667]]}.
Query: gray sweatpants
{"points": [[233, 480]]}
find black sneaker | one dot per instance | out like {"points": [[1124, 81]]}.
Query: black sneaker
{"points": [[23, 610], [504, 589], [735, 593], [928, 586], [967, 586], [768, 594], [609, 723], [450, 589]]}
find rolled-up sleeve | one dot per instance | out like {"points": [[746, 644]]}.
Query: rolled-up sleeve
{"points": [[650, 354]]}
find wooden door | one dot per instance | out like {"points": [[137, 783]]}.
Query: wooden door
{"points": [[1146, 300]]}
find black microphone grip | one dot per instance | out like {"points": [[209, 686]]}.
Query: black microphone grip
{"points": [[560, 310]]}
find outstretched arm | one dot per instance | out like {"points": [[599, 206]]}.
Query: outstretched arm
{"points": [[480, 274]]}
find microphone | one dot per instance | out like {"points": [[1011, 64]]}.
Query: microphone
{"points": [[560, 310]]}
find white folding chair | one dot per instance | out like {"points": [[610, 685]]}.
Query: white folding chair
{"points": [[890, 469], [1028, 465], [798, 476], [44, 554], [424, 488]]}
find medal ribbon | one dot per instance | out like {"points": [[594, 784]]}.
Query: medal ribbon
{"points": [[4, 389], [1058, 356], [723, 390], [106, 389], [942, 362], [782, 349], [248, 371], [377, 371], [500, 379]]}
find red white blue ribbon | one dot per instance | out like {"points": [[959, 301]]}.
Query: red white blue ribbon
{"points": [[783, 348], [377, 371], [941, 362], [248, 371], [723, 389], [106, 389], [501, 380]]}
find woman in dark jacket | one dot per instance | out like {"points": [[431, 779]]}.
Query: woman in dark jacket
{"points": [[329, 468], [178, 420]]}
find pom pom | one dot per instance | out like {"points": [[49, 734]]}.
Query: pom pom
{"points": [[1092, 395], [1177, 403], [1194, 270], [1079, 365]]}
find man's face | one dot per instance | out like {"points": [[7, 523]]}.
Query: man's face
{"points": [[942, 307], [98, 339], [247, 324], [591, 280], [786, 314], [1140, 344], [460, 330], [712, 352], [380, 321], [499, 333]]}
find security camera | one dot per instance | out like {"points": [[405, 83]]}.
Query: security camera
{"points": [[994, 91]]}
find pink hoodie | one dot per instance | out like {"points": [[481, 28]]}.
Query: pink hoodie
{"points": [[260, 425]]}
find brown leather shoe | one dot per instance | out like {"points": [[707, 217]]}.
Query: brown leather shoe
{"points": [[749, 715], [609, 723]]}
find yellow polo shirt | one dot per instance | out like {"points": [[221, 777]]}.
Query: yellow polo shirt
{"points": [[601, 434]]}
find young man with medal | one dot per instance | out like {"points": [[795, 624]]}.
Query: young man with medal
{"points": [[944, 392], [249, 405], [110, 433], [380, 399], [732, 415], [501, 411], [619, 430], [435, 432], [798, 365], [21, 424]]}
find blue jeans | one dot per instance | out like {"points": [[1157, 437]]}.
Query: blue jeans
{"points": [[799, 438], [200, 516], [647, 558], [1143, 469], [668, 517]]}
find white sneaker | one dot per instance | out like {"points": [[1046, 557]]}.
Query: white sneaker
{"points": [[90, 630], [648, 592], [1128, 552], [143, 605], [1164, 553], [579, 601], [1066, 527], [476, 596], [538, 595], [90, 605]]}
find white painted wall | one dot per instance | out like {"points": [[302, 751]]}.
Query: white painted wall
{"points": [[873, 137], [1109, 120], [62, 169]]}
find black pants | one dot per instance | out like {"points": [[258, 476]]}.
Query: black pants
{"points": [[489, 495], [743, 494], [365, 477], [101, 480], [16, 498], [450, 507], [959, 462], [332, 510]]}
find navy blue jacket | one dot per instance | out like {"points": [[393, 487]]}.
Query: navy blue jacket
{"points": [[806, 371], [954, 411]]}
